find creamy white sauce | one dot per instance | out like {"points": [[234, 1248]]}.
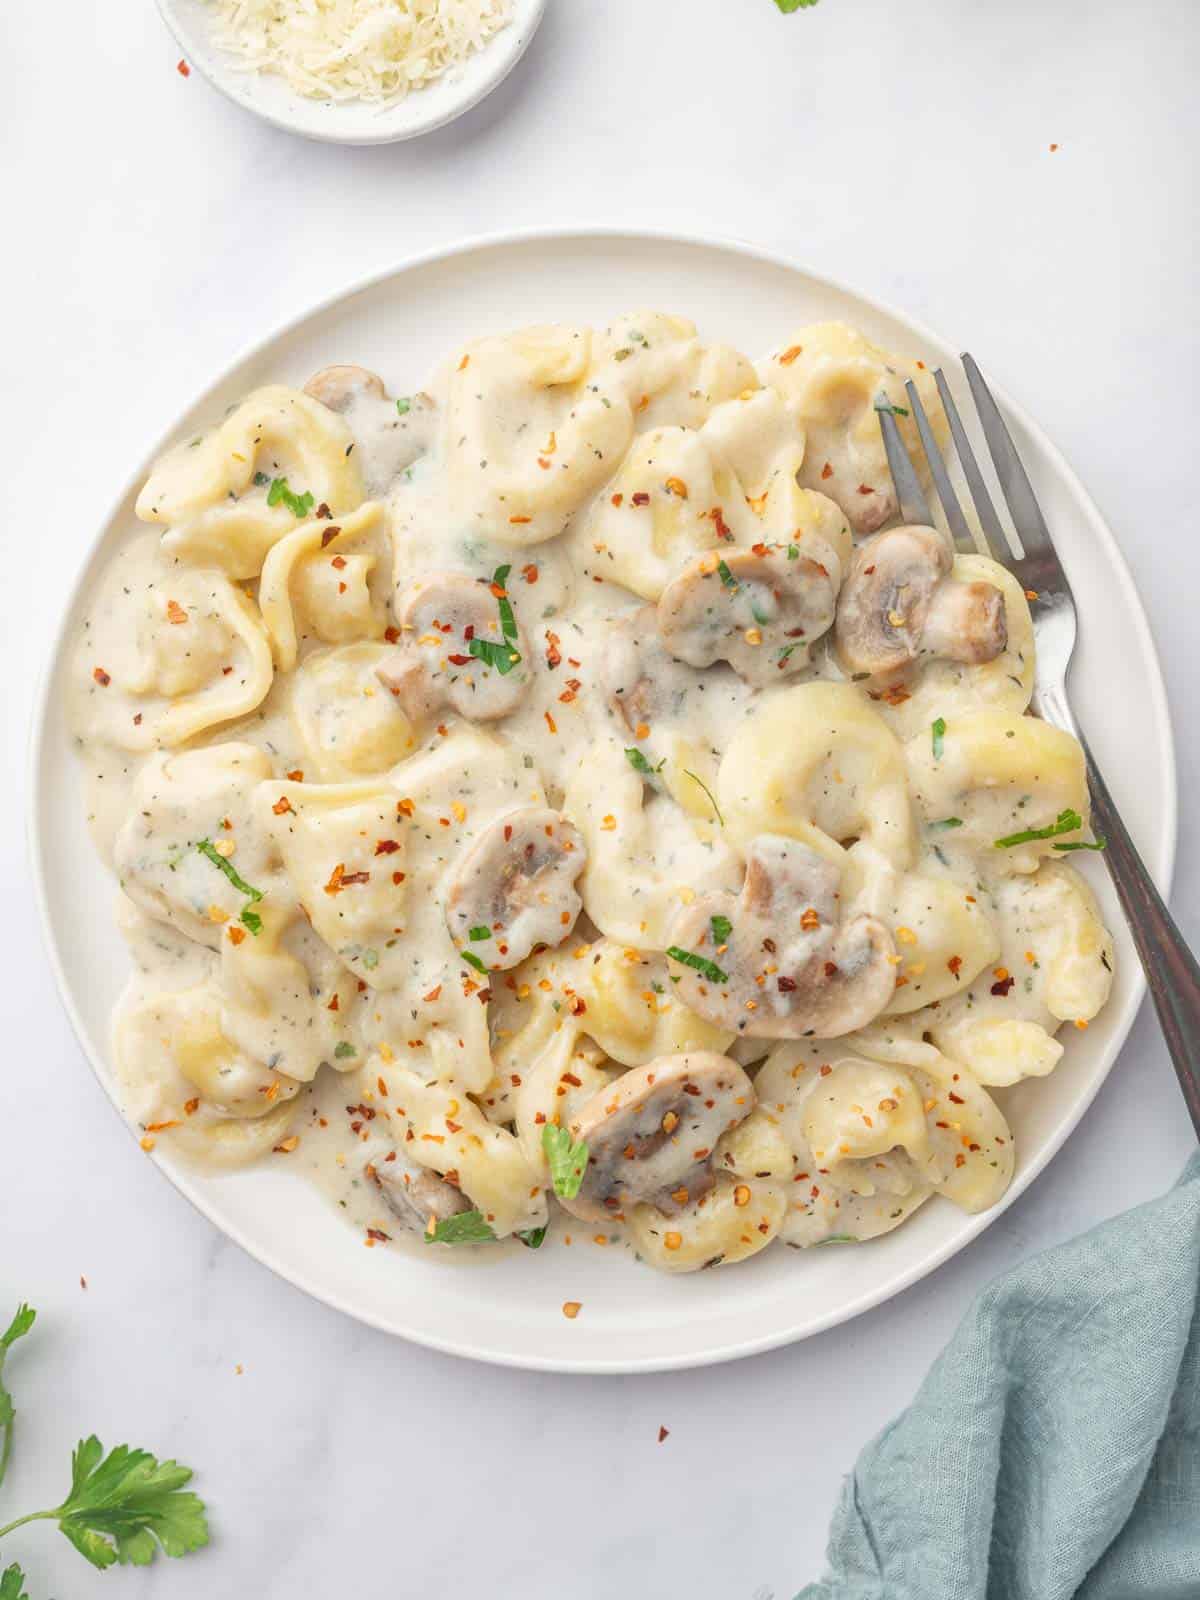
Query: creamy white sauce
{"points": [[298, 994]]}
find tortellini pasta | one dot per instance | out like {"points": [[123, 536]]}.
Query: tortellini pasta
{"points": [[619, 825]]}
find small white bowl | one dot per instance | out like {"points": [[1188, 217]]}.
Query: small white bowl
{"points": [[351, 122]]}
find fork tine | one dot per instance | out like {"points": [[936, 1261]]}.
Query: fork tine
{"points": [[913, 505], [993, 529], [1017, 489], [963, 536]]}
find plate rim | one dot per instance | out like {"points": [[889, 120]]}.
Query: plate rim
{"points": [[206, 58], [180, 1178]]}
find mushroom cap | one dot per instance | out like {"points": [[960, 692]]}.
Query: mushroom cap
{"points": [[441, 618], [651, 1134], [413, 1194], [899, 602], [338, 387], [759, 609], [517, 882], [643, 681], [788, 968]]}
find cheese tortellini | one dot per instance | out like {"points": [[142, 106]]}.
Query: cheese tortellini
{"points": [[567, 801]]}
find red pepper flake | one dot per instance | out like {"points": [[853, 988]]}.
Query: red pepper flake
{"points": [[405, 807], [386, 847], [618, 499], [790, 354], [1053, 148], [328, 535], [323, 512], [392, 635], [282, 806], [297, 776], [334, 886], [553, 653], [786, 985], [569, 693], [184, 71], [530, 573], [459, 661], [641, 498], [827, 471], [137, 721], [377, 1236], [101, 677], [956, 1098], [724, 531], [663, 1433], [865, 488], [464, 363], [337, 561], [397, 878], [955, 965], [830, 969], [1003, 985], [550, 722], [433, 993], [175, 612], [236, 935], [334, 1005]]}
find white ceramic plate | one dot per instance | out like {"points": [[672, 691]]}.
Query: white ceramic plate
{"points": [[508, 1309], [352, 122]]}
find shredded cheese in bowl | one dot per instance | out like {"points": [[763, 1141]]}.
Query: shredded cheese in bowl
{"points": [[370, 50]]}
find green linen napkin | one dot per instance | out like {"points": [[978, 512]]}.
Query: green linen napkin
{"points": [[1054, 1449]]}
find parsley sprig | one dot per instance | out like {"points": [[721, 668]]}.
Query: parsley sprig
{"points": [[689, 958], [123, 1505], [298, 504], [1068, 821], [464, 1227], [250, 919], [568, 1159], [504, 657]]}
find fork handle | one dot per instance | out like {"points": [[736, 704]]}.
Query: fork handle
{"points": [[1172, 972]]}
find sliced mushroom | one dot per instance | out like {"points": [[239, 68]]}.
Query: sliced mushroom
{"points": [[776, 963], [899, 602], [454, 652], [339, 387], [514, 889], [416, 1196], [651, 1135], [759, 609], [643, 682]]}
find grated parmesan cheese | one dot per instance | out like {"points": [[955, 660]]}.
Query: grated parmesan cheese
{"points": [[372, 50]]}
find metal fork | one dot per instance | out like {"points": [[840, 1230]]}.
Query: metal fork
{"points": [[1172, 973]]}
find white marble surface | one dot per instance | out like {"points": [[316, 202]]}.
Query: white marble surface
{"points": [[153, 230]]}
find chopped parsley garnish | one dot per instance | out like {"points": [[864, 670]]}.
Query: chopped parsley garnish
{"points": [[793, 552], [1100, 843], [480, 933], [260, 479], [944, 823], [839, 1238], [298, 504], [501, 656], [884, 404], [1068, 821], [939, 738], [343, 1050], [531, 1238], [708, 792], [721, 929], [568, 1159], [727, 577], [785, 653], [403, 406], [465, 1227], [473, 960], [759, 615], [639, 763], [250, 919], [701, 964], [788, 6]]}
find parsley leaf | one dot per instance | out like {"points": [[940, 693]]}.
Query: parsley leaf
{"points": [[944, 823], [568, 1159], [793, 552], [298, 504], [531, 1238], [638, 762], [1100, 843], [207, 848], [727, 577], [251, 920], [1068, 821], [501, 656], [124, 1505], [465, 1227], [403, 406], [343, 1050], [721, 929], [508, 623], [12, 1584], [479, 934], [938, 730], [23, 1319], [473, 960], [788, 6], [689, 958], [882, 403]]}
